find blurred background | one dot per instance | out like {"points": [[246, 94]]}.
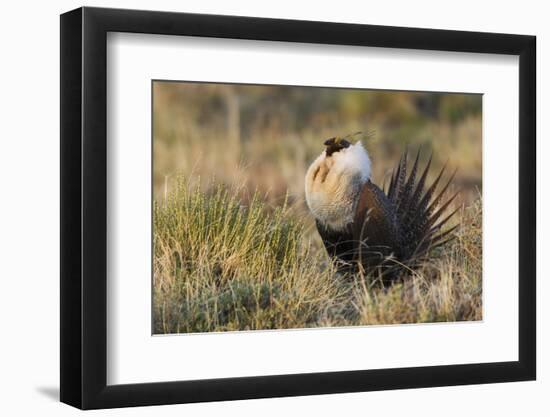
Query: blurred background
{"points": [[264, 138]]}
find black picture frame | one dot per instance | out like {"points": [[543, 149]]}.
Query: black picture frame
{"points": [[84, 207]]}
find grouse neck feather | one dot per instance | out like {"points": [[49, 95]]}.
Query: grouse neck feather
{"points": [[333, 185]]}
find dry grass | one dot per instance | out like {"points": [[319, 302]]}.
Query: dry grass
{"points": [[221, 265]]}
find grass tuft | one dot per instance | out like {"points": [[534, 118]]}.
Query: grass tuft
{"points": [[220, 265]]}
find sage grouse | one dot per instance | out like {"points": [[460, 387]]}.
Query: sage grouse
{"points": [[387, 231]]}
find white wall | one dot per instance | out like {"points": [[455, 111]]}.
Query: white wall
{"points": [[29, 237]]}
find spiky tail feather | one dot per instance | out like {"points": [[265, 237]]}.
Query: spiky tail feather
{"points": [[420, 210]]}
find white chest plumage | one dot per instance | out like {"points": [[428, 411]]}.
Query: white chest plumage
{"points": [[333, 184]]}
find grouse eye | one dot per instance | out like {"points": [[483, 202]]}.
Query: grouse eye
{"points": [[344, 143], [329, 142]]}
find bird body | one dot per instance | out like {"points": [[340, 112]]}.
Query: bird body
{"points": [[360, 223]]}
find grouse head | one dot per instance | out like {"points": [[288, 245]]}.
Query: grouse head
{"points": [[336, 144]]}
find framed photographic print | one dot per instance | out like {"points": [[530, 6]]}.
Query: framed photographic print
{"points": [[258, 207]]}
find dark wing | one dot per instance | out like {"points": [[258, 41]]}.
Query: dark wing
{"points": [[372, 237], [339, 244], [375, 228]]}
